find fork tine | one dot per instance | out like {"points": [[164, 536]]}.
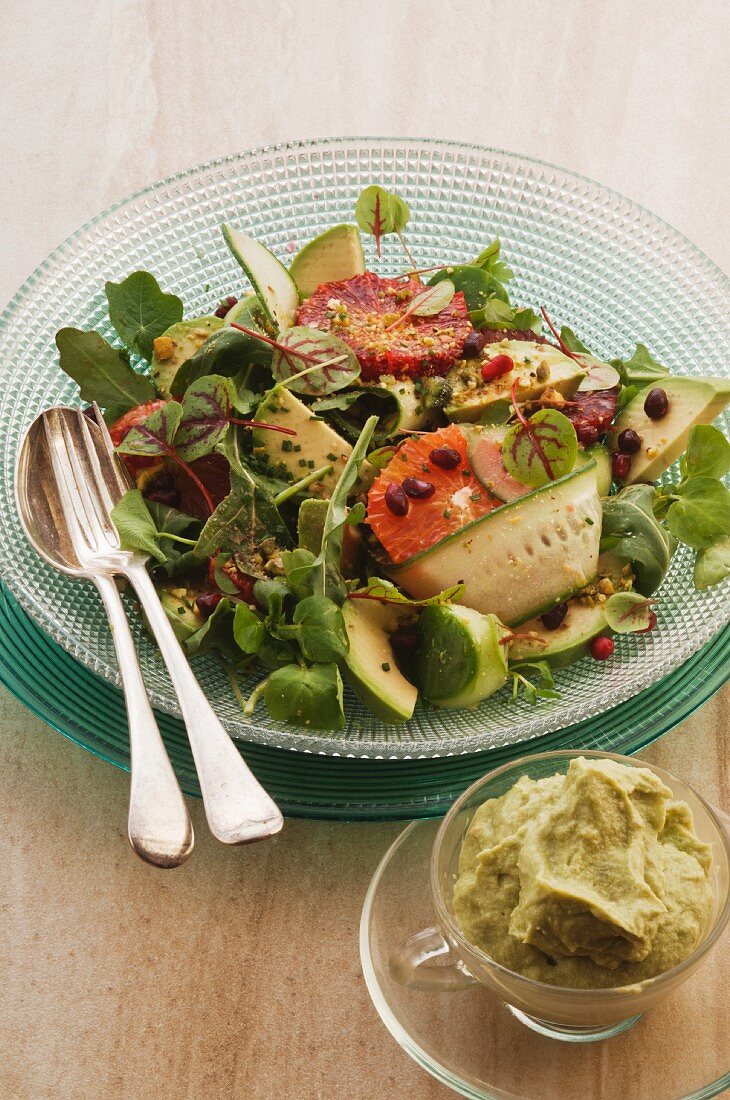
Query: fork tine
{"points": [[120, 470], [101, 483], [95, 516], [74, 521]]}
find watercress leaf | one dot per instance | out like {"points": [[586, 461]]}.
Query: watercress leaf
{"points": [[478, 286], [206, 411], [489, 260], [701, 516], [627, 612], [319, 628], [140, 311], [309, 697], [274, 653], [216, 633], [301, 574], [386, 592], [248, 629], [135, 525], [325, 362], [526, 319], [243, 519], [542, 450], [712, 565], [631, 531], [155, 434], [225, 352], [271, 591], [432, 299], [707, 454], [641, 369], [572, 342], [171, 520], [103, 373]]}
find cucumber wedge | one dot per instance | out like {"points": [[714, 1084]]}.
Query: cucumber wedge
{"points": [[462, 659], [270, 280], [521, 559]]}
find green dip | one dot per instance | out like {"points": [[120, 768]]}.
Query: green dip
{"points": [[591, 879]]}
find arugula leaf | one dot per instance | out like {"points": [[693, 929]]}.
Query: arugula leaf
{"points": [[136, 528], [140, 311], [102, 372], [387, 592], [206, 410], [707, 454], [641, 369], [545, 687], [627, 612], [313, 362], [216, 633], [712, 565], [540, 449], [489, 260], [249, 630], [243, 519], [225, 352], [630, 529], [155, 434], [572, 342], [700, 516], [306, 696]]}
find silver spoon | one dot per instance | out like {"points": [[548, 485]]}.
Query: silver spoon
{"points": [[67, 481]]}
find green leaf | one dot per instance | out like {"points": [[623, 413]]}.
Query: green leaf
{"points": [[478, 286], [489, 260], [531, 692], [243, 520], [225, 353], [135, 525], [701, 516], [707, 454], [248, 629], [155, 435], [386, 592], [543, 450], [631, 531], [320, 630], [310, 697], [206, 411], [102, 372], [379, 212], [712, 565], [641, 369], [431, 300], [140, 311], [314, 362], [216, 634], [572, 342], [628, 612]]}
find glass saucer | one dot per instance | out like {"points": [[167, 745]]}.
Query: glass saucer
{"points": [[473, 1043]]}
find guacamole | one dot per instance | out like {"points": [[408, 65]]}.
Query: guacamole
{"points": [[591, 879]]}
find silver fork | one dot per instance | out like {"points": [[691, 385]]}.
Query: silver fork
{"points": [[89, 483]]}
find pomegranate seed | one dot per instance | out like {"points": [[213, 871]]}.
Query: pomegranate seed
{"points": [[629, 441], [551, 620], [226, 304], [207, 603], [620, 465], [446, 458], [473, 345], [396, 499], [417, 488], [602, 648], [587, 435], [652, 624], [495, 368], [656, 405]]}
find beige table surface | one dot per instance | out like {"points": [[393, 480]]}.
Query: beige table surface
{"points": [[238, 975]]}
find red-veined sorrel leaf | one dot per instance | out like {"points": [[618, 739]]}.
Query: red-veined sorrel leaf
{"points": [[386, 592], [314, 362], [428, 302], [155, 434], [206, 411], [378, 212], [540, 449], [627, 612]]}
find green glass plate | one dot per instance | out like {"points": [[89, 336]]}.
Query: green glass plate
{"points": [[90, 711]]}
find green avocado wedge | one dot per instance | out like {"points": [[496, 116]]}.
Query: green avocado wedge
{"points": [[369, 666], [331, 257], [691, 401], [272, 283], [187, 338], [521, 559], [462, 658]]}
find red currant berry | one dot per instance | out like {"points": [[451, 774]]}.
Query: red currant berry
{"points": [[602, 648]]}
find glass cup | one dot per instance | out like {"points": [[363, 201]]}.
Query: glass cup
{"points": [[440, 959]]}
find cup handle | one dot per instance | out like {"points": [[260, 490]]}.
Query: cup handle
{"points": [[412, 964]]}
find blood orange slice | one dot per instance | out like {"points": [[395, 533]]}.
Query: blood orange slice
{"points": [[457, 497], [361, 310]]}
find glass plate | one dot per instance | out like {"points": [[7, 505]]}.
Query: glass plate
{"points": [[470, 1041], [602, 264], [90, 711]]}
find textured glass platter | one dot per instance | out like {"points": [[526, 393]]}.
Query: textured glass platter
{"points": [[471, 1042], [603, 265]]}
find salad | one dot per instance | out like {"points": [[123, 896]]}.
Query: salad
{"points": [[408, 482]]}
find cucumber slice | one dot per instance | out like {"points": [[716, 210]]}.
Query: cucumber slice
{"points": [[461, 659], [187, 338], [331, 257], [484, 451], [274, 286]]}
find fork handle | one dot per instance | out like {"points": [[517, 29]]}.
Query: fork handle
{"points": [[159, 825], [237, 807]]}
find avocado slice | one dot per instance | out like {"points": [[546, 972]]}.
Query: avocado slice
{"points": [[462, 659], [272, 283], [316, 444], [334, 255], [691, 401], [182, 614], [536, 367], [370, 665], [187, 338]]}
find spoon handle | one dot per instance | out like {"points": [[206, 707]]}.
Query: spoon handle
{"points": [[159, 825], [237, 807]]}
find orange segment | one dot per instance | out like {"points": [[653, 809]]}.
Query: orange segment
{"points": [[458, 497]]}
